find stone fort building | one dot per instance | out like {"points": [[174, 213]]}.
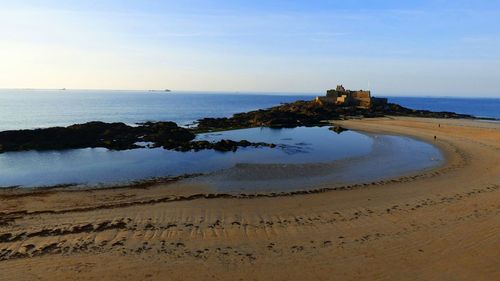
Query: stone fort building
{"points": [[343, 97]]}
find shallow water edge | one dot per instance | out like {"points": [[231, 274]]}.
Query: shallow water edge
{"points": [[310, 172]]}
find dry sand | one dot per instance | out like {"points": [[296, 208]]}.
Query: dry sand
{"points": [[437, 225]]}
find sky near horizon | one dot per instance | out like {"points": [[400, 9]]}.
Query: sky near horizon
{"points": [[426, 48]]}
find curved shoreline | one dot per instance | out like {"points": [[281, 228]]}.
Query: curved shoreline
{"points": [[453, 158], [438, 224], [395, 149]]}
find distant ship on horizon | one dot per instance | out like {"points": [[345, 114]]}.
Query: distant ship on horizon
{"points": [[166, 90]]}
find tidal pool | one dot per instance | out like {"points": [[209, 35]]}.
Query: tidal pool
{"points": [[306, 157]]}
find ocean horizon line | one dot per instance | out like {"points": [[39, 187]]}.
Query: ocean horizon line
{"points": [[243, 92]]}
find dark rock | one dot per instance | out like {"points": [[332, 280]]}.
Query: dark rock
{"points": [[225, 145], [300, 113], [338, 129], [160, 132], [117, 136], [308, 113], [222, 145]]}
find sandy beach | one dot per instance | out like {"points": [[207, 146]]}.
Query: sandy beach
{"points": [[442, 224]]}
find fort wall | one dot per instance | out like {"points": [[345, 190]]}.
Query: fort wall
{"points": [[341, 96]]}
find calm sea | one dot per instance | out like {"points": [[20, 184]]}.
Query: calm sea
{"points": [[34, 109], [23, 109]]}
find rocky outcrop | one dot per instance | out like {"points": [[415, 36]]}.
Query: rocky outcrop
{"points": [[116, 136], [393, 109], [92, 134], [222, 145], [166, 134], [308, 113], [300, 113]]}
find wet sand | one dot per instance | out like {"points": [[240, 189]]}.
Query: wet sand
{"points": [[441, 224]]}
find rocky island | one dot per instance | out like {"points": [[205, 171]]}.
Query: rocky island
{"points": [[338, 104]]}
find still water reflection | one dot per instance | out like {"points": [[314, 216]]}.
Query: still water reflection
{"points": [[296, 146]]}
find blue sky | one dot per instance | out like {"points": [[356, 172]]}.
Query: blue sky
{"points": [[392, 47]]}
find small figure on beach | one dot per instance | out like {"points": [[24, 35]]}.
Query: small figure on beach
{"points": [[435, 137]]}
